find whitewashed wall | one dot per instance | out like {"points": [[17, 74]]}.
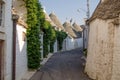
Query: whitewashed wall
{"points": [[64, 45], [8, 39], [55, 46], [41, 47], [78, 43], [21, 52], [7, 30], [85, 34], [70, 43], [103, 58]]}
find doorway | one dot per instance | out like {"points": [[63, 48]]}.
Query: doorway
{"points": [[1, 60]]}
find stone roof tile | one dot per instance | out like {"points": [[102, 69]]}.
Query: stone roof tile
{"points": [[107, 9]]}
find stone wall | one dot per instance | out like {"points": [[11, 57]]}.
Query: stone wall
{"points": [[116, 55], [103, 51], [20, 9]]}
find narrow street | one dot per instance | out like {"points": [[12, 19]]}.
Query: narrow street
{"points": [[67, 65]]}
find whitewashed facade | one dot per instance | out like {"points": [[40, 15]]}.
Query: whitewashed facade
{"points": [[103, 57], [75, 36], [41, 47], [55, 46], [85, 36], [6, 40], [71, 43], [6, 44], [21, 52], [21, 41], [103, 51]]}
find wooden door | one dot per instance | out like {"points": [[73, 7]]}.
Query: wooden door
{"points": [[1, 60]]}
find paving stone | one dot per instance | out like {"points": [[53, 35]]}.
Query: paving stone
{"points": [[66, 65]]}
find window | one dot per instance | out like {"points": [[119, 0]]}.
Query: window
{"points": [[0, 13], [24, 36]]}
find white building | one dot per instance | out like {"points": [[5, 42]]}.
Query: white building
{"points": [[21, 41], [5, 40], [56, 21], [6, 43], [21, 51], [47, 17], [74, 38], [103, 57], [85, 36]]}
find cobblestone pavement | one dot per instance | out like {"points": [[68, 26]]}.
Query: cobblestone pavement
{"points": [[66, 65]]}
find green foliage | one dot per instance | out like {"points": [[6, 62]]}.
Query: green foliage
{"points": [[85, 52], [52, 40], [49, 38], [34, 16], [36, 22], [61, 35]]}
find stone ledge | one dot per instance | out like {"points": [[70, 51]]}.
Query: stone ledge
{"points": [[46, 59], [28, 75]]}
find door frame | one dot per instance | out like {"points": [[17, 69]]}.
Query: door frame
{"points": [[1, 60]]}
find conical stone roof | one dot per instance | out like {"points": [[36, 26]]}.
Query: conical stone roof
{"points": [[69, 30], [48, 19], [56, 21], [76, 27], [107, 9]]}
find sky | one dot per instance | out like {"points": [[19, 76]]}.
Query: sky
{"points": [[67, 9]]}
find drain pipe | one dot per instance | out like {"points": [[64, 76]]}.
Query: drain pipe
{"points": [[15, 19], [83, 38]]}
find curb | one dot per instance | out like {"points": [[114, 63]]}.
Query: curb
{"points": [[29, 74]]}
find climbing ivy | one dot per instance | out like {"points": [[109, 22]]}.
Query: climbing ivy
{"points": [[34, 16], [52, 40], [36, 23], [61, 35], [49, 38]]}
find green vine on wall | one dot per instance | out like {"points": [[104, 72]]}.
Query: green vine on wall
{"points": [[61, 35], [33, 39], [36, 22], [49, 38]]}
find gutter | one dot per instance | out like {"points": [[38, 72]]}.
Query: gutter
{"points": [[15, 20]]}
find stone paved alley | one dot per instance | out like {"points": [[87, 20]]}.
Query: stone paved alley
{"points": [[67, 65]]}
